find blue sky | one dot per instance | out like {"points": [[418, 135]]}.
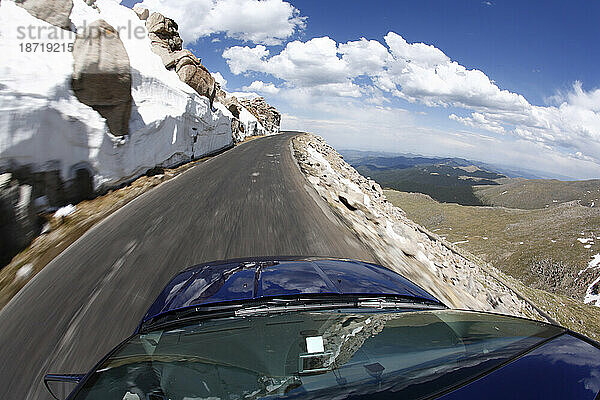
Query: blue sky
{"points": [[512, 82], [530, 47]]}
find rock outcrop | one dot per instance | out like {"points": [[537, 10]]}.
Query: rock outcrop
{"points": [[162, 32], [102, 75], [167, 43], [233, 105], [267, 115], [191, 71], [54, 12]]}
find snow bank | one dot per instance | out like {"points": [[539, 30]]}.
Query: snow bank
{"points": [[42, 124], [251, 125]]}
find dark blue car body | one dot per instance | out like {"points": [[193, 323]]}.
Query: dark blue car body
{"points": [[243, 280], [563, 365]]}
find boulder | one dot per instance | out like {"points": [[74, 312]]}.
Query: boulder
{"points": [[141, 11], [163, 31], [55, 12], [102, 75], [234, 109], [185, 57], [155, 40], [198, 77], [158, 23], [351, 199]]}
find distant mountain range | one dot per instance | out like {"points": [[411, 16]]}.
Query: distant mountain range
{"points": [[466, 182], [448, 180], [509, 171]]}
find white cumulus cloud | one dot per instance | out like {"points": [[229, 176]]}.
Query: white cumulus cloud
{"points": [[302, 64], [258, 21], [219, 79], [478, 120], [313, 67], [422, 73], [262, 87]]}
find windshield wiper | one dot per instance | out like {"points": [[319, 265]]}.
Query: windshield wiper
{"points": [[288, 304], [177, 317], [276, 307], [392, 303], [312, 304]]}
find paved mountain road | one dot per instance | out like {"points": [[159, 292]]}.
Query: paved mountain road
{"points": [[249, 201]]}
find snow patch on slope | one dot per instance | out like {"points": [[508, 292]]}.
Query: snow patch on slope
{"points": [[592, 294]]}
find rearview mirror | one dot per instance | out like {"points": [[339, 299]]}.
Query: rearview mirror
{"points": [[61, 385]]}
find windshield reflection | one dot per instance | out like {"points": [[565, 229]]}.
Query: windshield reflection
{"points": [[411, 353]]}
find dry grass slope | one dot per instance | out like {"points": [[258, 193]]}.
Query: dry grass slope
{"points": [[539, 247], [539, 193], [520, 243]]}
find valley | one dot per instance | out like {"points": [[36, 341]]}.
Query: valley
{"points": [[543, 232]]}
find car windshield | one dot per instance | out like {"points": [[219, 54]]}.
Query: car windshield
{"points": [[339, 353]]}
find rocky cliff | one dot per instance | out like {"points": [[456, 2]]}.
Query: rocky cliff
{"points": [[55, 12], [248, 117]]}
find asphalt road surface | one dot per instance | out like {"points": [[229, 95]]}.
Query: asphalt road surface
{"points": [[249, 201]]}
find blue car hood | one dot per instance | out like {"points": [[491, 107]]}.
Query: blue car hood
{"points": [[261, 278]]}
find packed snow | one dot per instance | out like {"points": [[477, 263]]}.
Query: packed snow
{"points": [[24, 272], [42, 124], [65, 211], [251, 125], [592, 295]]}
